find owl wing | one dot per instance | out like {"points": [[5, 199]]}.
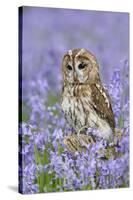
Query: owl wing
{"points": [[102, 104]]}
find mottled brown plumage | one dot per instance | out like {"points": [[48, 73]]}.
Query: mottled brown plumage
{"points": [[103, 107], [84, 100]]}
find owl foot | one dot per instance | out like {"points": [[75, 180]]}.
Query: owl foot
{"points": [[78, 144], [94, 138], [82, 130]]}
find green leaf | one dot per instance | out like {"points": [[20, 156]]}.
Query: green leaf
{"points": [[121, 121], [37, 155]]}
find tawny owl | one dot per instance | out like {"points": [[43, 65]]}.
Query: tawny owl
{"points": [[84, 100]]}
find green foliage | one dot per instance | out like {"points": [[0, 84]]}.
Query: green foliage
{"points": [[47, 181]]}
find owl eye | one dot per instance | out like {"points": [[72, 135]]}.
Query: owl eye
{"points": [[69, 67], [82, 66]]}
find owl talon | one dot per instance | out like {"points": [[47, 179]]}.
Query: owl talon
{"points": [[82, 128], [79, 132]]}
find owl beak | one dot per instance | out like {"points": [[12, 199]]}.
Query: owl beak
{"points": [[75, 77]]}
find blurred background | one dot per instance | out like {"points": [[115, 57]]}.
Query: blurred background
{"points": [[49, 32]]}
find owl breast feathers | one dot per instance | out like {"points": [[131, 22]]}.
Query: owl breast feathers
{"points": [[84, 100]]}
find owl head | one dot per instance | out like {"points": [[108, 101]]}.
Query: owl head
{"points": [[79, 66]]}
